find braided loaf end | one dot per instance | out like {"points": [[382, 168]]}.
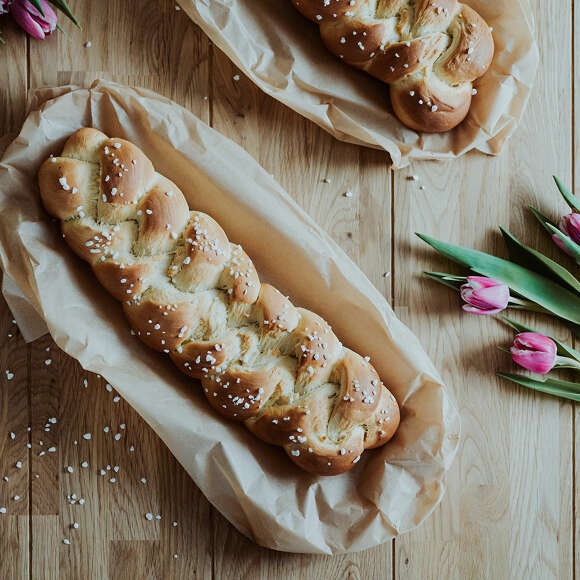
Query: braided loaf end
{"points": [[428, 51]]}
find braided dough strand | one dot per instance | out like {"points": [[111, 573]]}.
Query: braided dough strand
{"points": [[428, 51], [188, 292]]}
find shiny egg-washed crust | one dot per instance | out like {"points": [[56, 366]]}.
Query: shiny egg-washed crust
{"points": [[189, 292], [428, 51]]}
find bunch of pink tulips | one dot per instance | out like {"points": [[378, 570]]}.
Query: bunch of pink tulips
{"points": [[531, 350], [36, 17], [527, 281]]}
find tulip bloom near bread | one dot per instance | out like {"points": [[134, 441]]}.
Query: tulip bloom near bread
{"points": [[189, 292], [428, 51]]}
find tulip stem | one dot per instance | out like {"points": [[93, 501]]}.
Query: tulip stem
{"points": [[564, 362], [523, 304]]}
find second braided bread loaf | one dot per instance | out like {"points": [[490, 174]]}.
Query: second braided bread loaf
{"points": [[428, 51], [189, 292]]}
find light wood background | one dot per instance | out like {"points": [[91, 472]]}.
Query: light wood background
{"points": [[511, 510]]}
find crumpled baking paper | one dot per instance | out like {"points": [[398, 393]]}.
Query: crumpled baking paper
{"points": [[281, 51], [254, 485]]}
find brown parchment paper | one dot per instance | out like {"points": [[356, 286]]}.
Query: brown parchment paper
{"points": [[252, 484], [281, 51]]}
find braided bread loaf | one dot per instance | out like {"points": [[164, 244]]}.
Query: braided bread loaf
{"points": [[188, 292], [429, 51]]}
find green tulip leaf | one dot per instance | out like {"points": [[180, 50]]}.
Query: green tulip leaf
{"points": [[64, 8], [563, 349], [555, 387], [446, 279], [38, 5], [536, 261], [569, 198], [528, 284], [544, 220]]}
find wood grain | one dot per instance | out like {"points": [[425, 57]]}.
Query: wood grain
{"points": [[507, 513], [575, 181], [14, 395], [513, 501]]}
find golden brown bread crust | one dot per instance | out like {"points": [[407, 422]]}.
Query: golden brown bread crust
{"points": [[190, 293], [428, 51]]}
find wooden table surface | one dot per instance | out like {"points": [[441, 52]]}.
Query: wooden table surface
{"points": [[511, 506]]}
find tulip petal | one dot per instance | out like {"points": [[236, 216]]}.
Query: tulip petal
{"points": [[535, 341], [535, 361], [477, 282], [485, 294], [479, 311], [26, 22], [31, 19], [574, 227], [561, 244], [534, 351], [492, 296]]}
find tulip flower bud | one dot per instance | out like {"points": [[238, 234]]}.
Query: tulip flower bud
{"points": [[570, 225], [534, 352], [31, 19], [484, 296]]}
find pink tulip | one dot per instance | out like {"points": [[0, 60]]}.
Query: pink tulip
{"points": [[31, 19], [570, 225], [534, 352], [484, 296]]}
